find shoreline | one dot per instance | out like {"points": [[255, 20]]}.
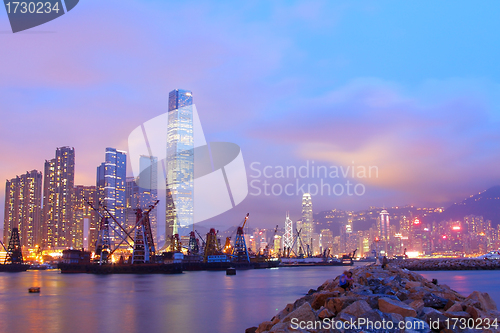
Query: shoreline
{"points": [[395, 296], [451, 264]]}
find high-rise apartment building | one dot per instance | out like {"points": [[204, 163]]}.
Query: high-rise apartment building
{"points": [[180, 163], [23, 208], [58, 188], [84, 215], [111, 183]]}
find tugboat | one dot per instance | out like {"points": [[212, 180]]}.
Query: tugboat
{"points": [[14, 260]]}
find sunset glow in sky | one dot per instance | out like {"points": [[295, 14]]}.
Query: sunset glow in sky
{"points": [[410, 87]]}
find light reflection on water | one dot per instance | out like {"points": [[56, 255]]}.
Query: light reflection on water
{"points": [[465, 282], [191, 302]]}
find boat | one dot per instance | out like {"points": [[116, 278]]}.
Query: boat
{"points": [[34, 290], [492, 255], [346, 260]]}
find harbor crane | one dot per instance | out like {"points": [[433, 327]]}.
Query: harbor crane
{"points": [[240, 251], [143, 236]]}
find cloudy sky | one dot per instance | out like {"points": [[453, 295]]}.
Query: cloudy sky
{"points": [[409, 87]]}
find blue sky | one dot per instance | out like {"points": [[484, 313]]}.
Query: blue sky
{"points": [[411, 87]]}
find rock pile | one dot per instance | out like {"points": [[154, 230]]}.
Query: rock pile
{"points": [[446, 264], [401, 300]]}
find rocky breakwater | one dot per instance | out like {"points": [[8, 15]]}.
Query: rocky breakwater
{"points": [[390, 300], [446, 264]]}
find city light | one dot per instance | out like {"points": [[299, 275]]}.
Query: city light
{"points": [[412, 254], [457, 228], [444, 237]]}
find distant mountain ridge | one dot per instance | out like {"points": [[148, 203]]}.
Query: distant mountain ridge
{"points": [[486, 204]]}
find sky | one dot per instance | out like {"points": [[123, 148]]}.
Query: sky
{"points": [[410, 89]]}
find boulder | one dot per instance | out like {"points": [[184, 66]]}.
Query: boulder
{"points": [[434, 316], [321, 297], [288, 308], [337, 304], [457, 314], [388, 305], [251, 330], [484, 299], [357, 308], [455, 307], [417, 305], [302, 313], [412, 284], [345, 317], [281, 328], [306, 299], [325, 313], [264, 327], [372, 300], [433, 301]]}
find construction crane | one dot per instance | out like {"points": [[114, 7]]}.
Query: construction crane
{"points": [[142, 227], [14, 253], [212, 246], [193, 247], [202, 240], [228, 249], [240, 252], [144, 246]]}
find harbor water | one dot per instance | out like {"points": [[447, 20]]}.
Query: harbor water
{"points": [[201, 302]]}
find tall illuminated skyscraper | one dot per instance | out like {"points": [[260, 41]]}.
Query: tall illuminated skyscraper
{"points": [[383, 229], [306, 223], [383, 225], [58, 190], [23, 208], [180, 163], [111, 183]]}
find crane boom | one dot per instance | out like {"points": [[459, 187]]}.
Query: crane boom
{"points": [[245, 221]]}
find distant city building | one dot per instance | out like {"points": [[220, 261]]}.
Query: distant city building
{"points": [[23, 208], [132, 194], [326, 240], [148, 189], [383, 229], [277, 245], [58, 189], [84, 215], [110, 184], [288, 236], [142, 192], [305, 225], [383, 225], [180, 163]]}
